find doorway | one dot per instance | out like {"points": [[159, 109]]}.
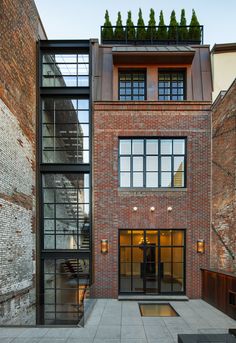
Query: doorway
{"points": [[152, 261]]}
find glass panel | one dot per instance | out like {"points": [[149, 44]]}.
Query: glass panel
{"points": [[125, 147], [138, 237], [179, 146], [166, 147], [151, 237], [166, 279], [178, 255], [124, 179], [124, 163], [137, 179], [179, 163], [125, 237], [137, 147], [166, 163], [178, 179], [178, 237], [125, 284], [137, 163], [151, 163], [137, 273], [166, 255], [151, 179], [165, 237], [165, 179], [137, 254], [125, 254]]}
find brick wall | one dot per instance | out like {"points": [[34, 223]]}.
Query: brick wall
{"points": [[20, 29], [223, 181], [112, 207]]}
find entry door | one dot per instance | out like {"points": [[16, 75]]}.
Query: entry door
{"points": [[151, 261]]}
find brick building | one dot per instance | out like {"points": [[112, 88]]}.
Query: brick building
{"points": [[106, 175]]}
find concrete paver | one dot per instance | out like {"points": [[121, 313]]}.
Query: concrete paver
{"points": [[114, 321]]}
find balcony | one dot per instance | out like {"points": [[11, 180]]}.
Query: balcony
{"points": [[153, 35]]}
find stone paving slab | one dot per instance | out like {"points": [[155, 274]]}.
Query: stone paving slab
{"points": [[113, 321]]}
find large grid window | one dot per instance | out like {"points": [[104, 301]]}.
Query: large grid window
{"points": [[65, 70], [65, 130], [66, 211], [132, 85], [171, 85], [152, 162]]}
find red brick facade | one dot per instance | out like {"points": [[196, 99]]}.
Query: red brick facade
{"points": [[223, 182], [113, 207]]}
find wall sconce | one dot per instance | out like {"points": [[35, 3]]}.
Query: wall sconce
{"points": [[152, 209], [200, 246], [104, 246], [135, 209], [169, 208]]}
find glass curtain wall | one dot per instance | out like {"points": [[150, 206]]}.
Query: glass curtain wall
{"points": [[64, 171]]}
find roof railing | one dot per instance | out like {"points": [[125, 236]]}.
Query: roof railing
{"points": [[152, 35]]}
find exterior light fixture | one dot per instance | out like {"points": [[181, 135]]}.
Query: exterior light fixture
{"points": [[169, 208], [104, 246], [135, 209], [152, 209], [200, 246]]}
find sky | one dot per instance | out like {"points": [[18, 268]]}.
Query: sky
{"points": [[81, 19]]}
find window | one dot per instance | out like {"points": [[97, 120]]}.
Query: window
{"points": [[66, 211], [152, 162], [65, 130], [65, 70], [132, 85], [171, 85]]}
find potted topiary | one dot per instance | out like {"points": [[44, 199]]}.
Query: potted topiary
{"points": [[107, 32]]}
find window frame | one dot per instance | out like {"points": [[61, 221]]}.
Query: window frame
{"points": [[171, 71], [159, 155], [133, 71]]}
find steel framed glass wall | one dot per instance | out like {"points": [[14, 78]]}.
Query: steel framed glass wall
{"points": [[152, 261], [64, 181]]}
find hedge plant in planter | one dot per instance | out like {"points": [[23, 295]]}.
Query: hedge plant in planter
{"points": [[141, 31], [162, 29], [151, 30], [183, 31], [119, 33], [194, 34], [172, 32], [107, 32], [130, 27]]}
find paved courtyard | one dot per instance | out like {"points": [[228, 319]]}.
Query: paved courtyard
{"points": [[114, 321]]}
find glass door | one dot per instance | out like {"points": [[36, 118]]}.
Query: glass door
{"points": [[151, 261]]}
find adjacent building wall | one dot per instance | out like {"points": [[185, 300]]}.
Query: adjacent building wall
{"points": [[20, 30], [223, 233], [223, 58]]}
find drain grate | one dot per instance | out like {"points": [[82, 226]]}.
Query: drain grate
{"points": [[157, 310]]}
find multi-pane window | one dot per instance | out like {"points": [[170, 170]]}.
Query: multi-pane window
{"points": [[65, 130], [66, 211], [132, 85], [152, 162], [64, 286], [65, 70], [171, 85]]}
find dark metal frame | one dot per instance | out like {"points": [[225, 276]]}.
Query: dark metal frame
{"points": [[131, 72], [171, 72], [159, 161], [61, 47], [153, 39], [159, 259]]}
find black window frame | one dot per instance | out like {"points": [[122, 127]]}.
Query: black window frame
{"points": [[171, 95], [132, 72], [159, 155]]}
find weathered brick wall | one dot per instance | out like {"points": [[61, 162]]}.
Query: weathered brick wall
{"points": [[113, 207], [223, 182], [20, 29]]}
